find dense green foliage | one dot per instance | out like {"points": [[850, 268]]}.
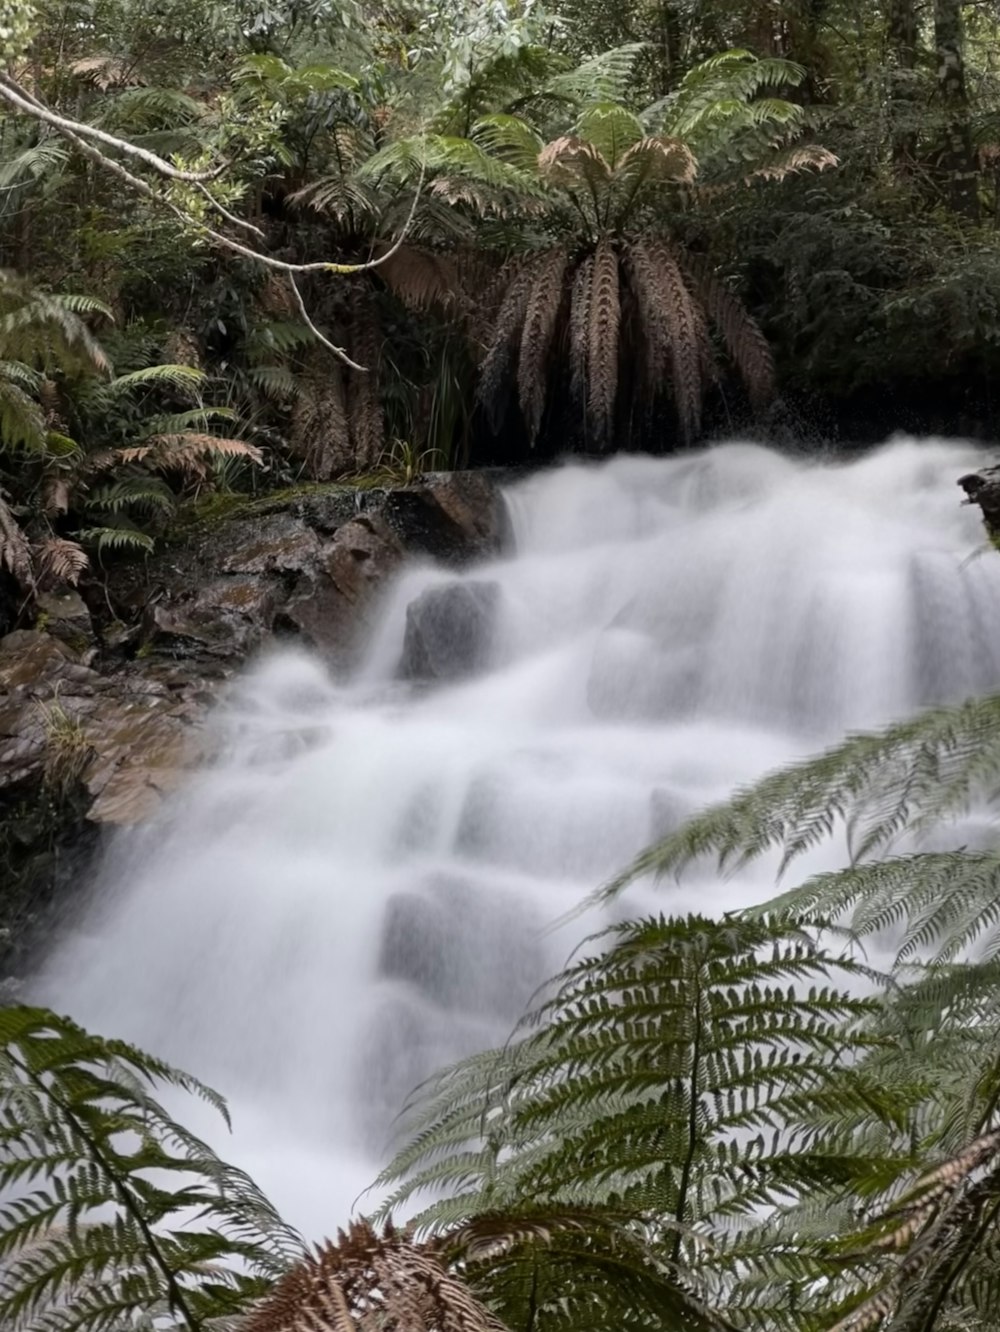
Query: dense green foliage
{"points": [[530, 225]]}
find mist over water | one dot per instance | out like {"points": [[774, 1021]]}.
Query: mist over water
{"points": [[357, 891]]}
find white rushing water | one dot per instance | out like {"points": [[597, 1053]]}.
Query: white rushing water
{"points": [[357, 891]]}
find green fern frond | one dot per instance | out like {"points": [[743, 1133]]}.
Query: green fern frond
{"points": [[652, 1057], [113, 1212], [22, 421], [909, 777], [147, 494], [511, 139], [184, 377], [611, 128], [116, 539], [607, 77]]}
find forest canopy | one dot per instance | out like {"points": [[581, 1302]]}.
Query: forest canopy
{"points": [[248, 246]]}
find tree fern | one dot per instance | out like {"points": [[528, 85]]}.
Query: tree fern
{"points": [[113, 1211], [650, 1056]]}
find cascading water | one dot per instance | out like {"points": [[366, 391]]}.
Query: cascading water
{"points": [[356, 892]]}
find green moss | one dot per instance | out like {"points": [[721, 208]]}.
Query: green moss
{"points": [[211, 509]]}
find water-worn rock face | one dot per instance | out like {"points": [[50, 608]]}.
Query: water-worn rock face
{"points": [[98, 723]]}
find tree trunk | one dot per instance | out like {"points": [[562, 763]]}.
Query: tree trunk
{"points": [[956, 160], [902, 65], [667, 48]]}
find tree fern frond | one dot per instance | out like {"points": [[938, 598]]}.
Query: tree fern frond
{"points": [[611, 129], [183, 377], [875, 784], [789, 161], [89, 1240], [609, 1100], [511, 139], [604, 78]]}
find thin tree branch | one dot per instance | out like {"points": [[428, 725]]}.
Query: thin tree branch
{"points": [[73, 131], [22, 100]]}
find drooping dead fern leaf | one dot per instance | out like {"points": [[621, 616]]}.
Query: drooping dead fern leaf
{"points": [[744, 341], [366, 1281], [422, 279], [365, 418], [676, 332], [319, 435], [541, 314], [506, 336], [603, 322], [579, 327]]}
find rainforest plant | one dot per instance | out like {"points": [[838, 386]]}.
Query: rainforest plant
{"points": [[600, 283]]}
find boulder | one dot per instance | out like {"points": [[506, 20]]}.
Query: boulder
{"points": [[449, 631], [307, 564]]}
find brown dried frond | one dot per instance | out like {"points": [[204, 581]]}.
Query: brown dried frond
{"points": [[658, 157], [579, 326], [800, 157], [60, 561], [674, 327], [741, 334], [188, 452], [365, 419], [541, 314], [15, 553], [505, 336], [568, 161], [370, 1281], [484, 285], [420, 278], [319, 434], [936, 1214], [603, 323]]}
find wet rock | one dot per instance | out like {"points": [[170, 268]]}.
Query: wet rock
{"points": [[463, 948], [307, 564], [983, 488], [65, 616], [331, 606], [449, 631]]}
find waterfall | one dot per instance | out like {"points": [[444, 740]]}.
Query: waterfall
{"points": [[358, 889]]}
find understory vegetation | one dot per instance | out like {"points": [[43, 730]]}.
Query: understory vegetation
{"points": [[242, 247], [786, 1118]]}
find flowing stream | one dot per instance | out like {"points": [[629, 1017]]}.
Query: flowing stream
{"points": [[357, 891]]}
